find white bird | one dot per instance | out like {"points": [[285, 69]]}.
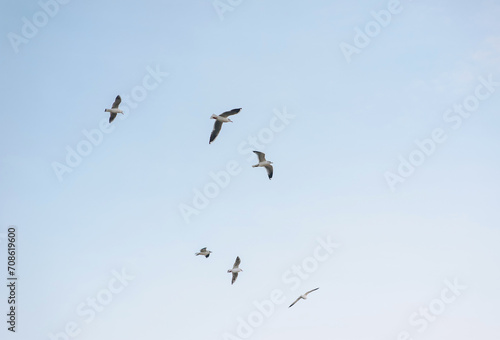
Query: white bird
{"points": [[264, 163], [222, 118], [114, 109], [204, 252], [235, 269], [303, 296]]}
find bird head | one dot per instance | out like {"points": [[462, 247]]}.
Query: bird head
{"points": [[230, 120]]}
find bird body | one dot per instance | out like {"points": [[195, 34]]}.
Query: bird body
{"points": [[219, 120], [235, 270], [204, 252], [262, 164], [114, 109]]}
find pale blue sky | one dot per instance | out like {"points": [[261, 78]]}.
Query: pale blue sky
{"points": [[352, 121]]}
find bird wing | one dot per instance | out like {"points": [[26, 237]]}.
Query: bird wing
{"points": [[117, 102], [261, 155], [202, 250], [237, 262], [235, 275], [295, 301], [311, 291], [269, 169], [207, 255], [112, 116], [230, 113], [215, 131]]}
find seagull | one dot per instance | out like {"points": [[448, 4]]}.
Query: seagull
{"points": [[264, 163], [114, 109], [235, 269], [204, 252], [222, 118], [303, 296]]}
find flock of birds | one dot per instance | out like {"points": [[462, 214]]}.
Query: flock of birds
{"points": [[236, 270], [219, 120]]}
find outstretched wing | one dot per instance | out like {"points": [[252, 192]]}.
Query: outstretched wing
{"points": [[295, 301], [237, 262], [311, 291], [112, 116], [235, 275], [215, 131], [230, 113], [261, 155], [117, 102], [269, 169]]}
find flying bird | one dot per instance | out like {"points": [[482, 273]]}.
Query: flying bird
{"points": [[114, 109], [303, 296], [264, 163], [204, 252], [235, 269], [222, 118]]}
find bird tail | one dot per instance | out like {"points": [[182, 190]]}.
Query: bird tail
{"points": [[254, 166]]}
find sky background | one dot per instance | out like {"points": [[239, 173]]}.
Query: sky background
{"points": [[119, 208]]}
